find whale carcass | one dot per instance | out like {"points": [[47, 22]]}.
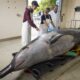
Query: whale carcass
{"points": [[41, 49]]}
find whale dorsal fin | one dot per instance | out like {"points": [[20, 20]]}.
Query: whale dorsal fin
{"points": [[29, 44], [14, 54]]}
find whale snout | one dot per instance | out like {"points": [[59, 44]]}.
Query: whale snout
{"points": [[6, 71]]}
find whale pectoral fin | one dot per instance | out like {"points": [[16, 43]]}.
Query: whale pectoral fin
{"points": [[54, 38]]}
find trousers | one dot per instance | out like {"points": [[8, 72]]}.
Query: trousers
{"points": [[25, 34]]}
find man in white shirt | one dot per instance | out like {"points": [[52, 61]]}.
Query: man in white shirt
{"points": [[53, 14]]}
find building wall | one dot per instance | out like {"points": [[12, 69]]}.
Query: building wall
{"points": [[68, 13], [11, 14], [29, 2]]}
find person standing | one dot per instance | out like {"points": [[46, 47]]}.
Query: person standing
{"points": [[54, 16], [28, 23], [46, 22]]}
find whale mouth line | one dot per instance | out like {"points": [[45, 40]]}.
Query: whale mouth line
{"points": [[20, 63]]}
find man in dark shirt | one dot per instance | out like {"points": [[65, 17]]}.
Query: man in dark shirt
{"points": [[27, 23]]}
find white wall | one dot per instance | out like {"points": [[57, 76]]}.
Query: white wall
{"points": [[68, 11], [10, 23]]}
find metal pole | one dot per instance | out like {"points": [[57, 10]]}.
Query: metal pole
{"points": [[28, 29], [59, 3], [26, 2]]}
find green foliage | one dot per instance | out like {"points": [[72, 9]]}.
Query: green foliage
{"points": [[44, 4]]}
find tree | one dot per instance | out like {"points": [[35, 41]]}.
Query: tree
{"points": [[45, 4]]}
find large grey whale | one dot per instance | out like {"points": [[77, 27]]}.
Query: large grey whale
{"points": [[41, 49]]}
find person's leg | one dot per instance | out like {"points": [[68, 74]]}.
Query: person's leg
{"points": [[26, 34]]}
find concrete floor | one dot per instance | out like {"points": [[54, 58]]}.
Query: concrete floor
{"points": [[70, 71], [71, 74], [6, 50]]}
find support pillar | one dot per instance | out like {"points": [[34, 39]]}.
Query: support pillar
{"points": [[59, 3], [29, 29]]}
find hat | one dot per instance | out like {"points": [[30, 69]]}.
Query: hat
{"points": [[35, 3]]}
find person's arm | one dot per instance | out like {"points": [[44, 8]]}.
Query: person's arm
{"points": [[52, 21], [28, 18]]}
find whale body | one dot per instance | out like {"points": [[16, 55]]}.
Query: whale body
{"points": [[41, 49]]}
